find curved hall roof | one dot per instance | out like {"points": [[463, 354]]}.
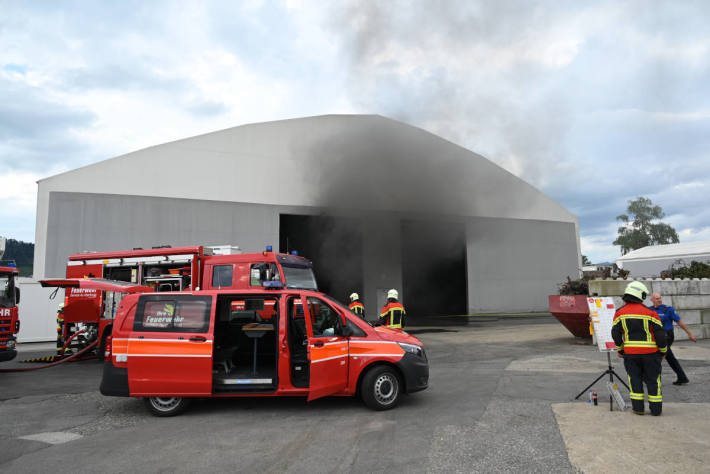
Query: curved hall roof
{"points": [[358, 162]]}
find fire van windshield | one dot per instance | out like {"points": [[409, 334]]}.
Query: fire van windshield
{"points": [[299, 278]]}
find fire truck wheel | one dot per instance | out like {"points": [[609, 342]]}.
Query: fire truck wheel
{"points": [[166, 406], [381, 388]]}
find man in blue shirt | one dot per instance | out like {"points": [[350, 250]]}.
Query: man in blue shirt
{"points": [[668, 315]]}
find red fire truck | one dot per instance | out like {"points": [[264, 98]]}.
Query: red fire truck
{"points": [[9, 322], [165, 269]]}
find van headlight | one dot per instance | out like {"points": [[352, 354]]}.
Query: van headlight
{"points": [[413, 349]]}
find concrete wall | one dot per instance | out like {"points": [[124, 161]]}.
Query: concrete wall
{"points": [[38, 314], [382, 262], [690, 298], [514, 264]]}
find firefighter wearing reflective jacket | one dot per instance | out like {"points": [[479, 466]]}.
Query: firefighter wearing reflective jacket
{"points": [[392, 314], [641, 341], [60, 329], [356, 305]]}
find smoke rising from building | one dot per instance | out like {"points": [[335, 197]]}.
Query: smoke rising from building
{"points": [[378, 172]]}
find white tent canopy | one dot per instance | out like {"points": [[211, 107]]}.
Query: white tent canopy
{"points": [[652, 260]]}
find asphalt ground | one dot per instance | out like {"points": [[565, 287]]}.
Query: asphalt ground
{"points": [[500, 400]]}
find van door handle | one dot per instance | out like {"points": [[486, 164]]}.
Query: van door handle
{"points": [[318, 344], [198, 338]]}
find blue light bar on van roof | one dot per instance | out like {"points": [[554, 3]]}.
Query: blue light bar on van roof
{"points": [[294, 252], [273, 285], [269, 248]]}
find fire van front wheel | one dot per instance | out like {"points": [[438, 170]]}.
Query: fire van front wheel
{"points": [[166, 406], [381, 388]]}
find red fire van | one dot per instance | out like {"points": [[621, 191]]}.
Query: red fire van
{"points": [[171, 347]]}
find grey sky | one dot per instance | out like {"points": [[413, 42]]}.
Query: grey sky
{"points": [[595, 103]]}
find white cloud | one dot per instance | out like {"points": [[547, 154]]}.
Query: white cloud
{"points": [[694, 234], [691, 185], [18, 198]]}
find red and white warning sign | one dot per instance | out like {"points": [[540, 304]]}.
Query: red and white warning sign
{"points": [[601, 312]]}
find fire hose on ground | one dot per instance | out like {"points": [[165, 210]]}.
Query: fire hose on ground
{"points": [[60, 361]]}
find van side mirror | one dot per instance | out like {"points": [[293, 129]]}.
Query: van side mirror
{"points": [[17, 295], [346, 331]]}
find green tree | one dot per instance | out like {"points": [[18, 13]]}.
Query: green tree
{"points": [[585, 260], [638, 229]]}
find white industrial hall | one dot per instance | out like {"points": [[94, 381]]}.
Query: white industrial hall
{"points": [[373, 202]]}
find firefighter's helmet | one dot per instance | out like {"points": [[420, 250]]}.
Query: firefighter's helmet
{"points": [[393, 294], [60, 308], [354, 297], [637, 289]]}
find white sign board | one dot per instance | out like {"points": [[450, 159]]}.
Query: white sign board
{"points": [[601, 312]]}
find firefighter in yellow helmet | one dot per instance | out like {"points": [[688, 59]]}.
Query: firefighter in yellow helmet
{"points": [[356, 305], [640, 339], [392, 314]]}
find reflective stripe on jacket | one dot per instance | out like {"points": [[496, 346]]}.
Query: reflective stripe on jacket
{"points": [[392, 315], [357, 308], [638, 330]]}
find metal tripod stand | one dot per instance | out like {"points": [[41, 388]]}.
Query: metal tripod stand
{"points": [[611, 373]]}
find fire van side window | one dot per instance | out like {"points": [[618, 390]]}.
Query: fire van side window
{"points": [[222, 276], [176, 314], [325, 320]]}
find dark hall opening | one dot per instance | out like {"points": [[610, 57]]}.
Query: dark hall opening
{"points": [[333, 244], [434, 268]]}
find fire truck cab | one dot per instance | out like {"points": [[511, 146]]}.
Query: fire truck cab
{"points": [[171, 347], [9, 322], [166, 269]]}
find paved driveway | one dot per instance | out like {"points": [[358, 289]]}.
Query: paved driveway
{"points": [[489, 408]]}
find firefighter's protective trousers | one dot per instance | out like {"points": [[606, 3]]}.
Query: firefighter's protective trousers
{"points": [[60, 334], [644, 368]]}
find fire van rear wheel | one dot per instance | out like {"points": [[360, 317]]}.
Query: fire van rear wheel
{"points": [[381, 388], [166, 406], [101, 348]]}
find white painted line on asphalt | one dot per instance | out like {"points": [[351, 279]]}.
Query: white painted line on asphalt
{"points": [[53, 437]]}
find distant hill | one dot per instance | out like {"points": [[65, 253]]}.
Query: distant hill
{"points": [[23, 253]]}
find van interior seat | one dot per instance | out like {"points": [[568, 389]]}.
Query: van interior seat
{"points": [[243, 317]]}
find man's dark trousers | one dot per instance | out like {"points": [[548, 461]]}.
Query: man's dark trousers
{"points": [[644, 368], [672, 361]]}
